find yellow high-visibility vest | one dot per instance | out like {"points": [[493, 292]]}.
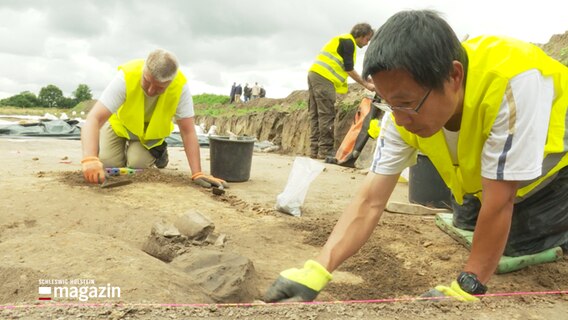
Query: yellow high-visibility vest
{"points": [[493, 62], [329, 64], [128, 121]]}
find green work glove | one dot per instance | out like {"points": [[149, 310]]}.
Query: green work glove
{"points": [[207, 181], [453, 291], [299, 284]]}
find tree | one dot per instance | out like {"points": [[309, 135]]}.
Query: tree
{"points": [[50, 96], [66, 103], [82, 93], [23, 99]]}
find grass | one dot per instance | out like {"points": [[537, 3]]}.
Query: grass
{"points": [[299, 105], [348, 106], [210, 99], [216, 110], [227, 110], [209, 111], [38, 111], [210, 105], [32, 111]]}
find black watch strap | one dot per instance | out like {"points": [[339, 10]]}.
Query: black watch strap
{"points": [[469, 283]]}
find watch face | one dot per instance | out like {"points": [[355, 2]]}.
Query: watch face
{"points": [[470, 284]]}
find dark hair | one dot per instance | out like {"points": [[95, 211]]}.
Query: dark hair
{"points": [[417, 41], [361, 30]]}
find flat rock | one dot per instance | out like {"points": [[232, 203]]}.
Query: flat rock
{"points": [[225, 276]]}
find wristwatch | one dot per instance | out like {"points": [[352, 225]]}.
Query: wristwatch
{"points": [[470, 284]]}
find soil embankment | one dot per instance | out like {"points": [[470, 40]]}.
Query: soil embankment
{"points": [[286, 126]]}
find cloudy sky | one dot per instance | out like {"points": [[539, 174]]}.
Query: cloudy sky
{"points": [[218, 42]]}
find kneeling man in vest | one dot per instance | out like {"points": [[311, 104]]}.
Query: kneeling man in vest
{"points": [[491, 114], [139, 104]]}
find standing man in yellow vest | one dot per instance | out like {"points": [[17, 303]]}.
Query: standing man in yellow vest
{"points": [[328, 75], [491, 114], [139, 104]]}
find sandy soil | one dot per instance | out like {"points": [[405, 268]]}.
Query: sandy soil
{"points": [[53, 226]]}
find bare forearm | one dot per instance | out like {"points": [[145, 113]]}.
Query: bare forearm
{"points": [[190, 144], [194, 157], [489, 240], [358, 221], [96, 118], [492, 228], [355, 76], [351, 232], [89, 139]]}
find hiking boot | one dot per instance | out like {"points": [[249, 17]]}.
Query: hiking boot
{"points": [[330, 159], [325, 155], [160, 153], [465, 215], [163, 160]]}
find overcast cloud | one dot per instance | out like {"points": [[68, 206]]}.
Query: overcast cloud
{"points": [[68, 42]]}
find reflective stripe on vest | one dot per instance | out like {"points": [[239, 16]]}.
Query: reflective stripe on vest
{"points": [[329, 64], [493, 62], [128, 121]]}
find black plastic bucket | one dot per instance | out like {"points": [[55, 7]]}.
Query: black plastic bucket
{"points": [[231, 160], [426, 187]]}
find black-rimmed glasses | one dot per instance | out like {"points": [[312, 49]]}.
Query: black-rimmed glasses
{"points": [[388, 108]]}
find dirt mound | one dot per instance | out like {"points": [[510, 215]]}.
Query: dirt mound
{"points": [[295, 96], [300, 97], [285, 122], [557, 47], [85, 106], [55, 255]]}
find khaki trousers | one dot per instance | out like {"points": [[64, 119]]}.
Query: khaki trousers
{"points": [[322, 115], [117, 152]]}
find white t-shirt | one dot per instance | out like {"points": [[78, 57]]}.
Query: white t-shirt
{"points": [[115, 93], [514, 149]]}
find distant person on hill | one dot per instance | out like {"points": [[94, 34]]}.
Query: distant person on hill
{"points": [[238, 92], [262, 93], [232, 94], [139, 104], [328, 75], [491, 114], [255, 91], [247, 92]]}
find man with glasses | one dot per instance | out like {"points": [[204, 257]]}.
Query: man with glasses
{"points": [[490, 113], [390, 109]]}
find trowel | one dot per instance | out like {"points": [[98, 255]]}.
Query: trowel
{"points": [[218, 191], [108, 184]]}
